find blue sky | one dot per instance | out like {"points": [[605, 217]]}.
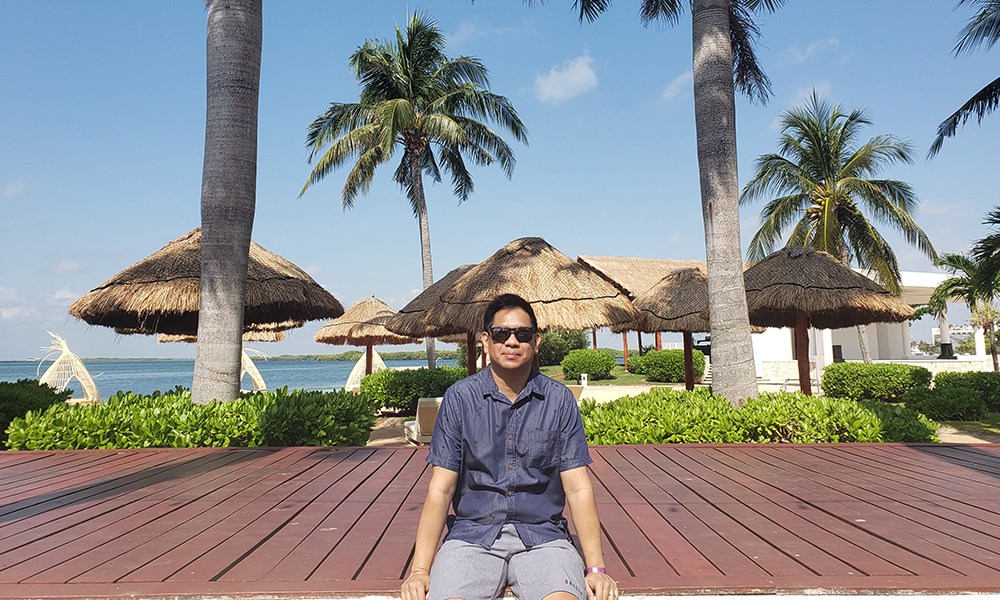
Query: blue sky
{"points": [[102, 116]]}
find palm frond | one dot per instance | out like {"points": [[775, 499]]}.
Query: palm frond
{"points": [[983, 103], [591, 9], [777, 215], [983, 28], [748, 76], [664, 11]]}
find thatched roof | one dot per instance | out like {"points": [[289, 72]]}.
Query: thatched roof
{"points": [[675, 303], [159, 294], [637, 275], [362, 324], [831, 294], [562, 292], [249, 336], [410, 319]]}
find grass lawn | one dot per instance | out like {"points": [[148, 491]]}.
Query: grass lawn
{"points": [[990, 425], [619, 376]]}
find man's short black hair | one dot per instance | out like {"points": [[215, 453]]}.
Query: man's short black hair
{"points": [[503, 302]]}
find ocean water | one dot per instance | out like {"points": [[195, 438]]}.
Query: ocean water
{"points": [[148, 376]]}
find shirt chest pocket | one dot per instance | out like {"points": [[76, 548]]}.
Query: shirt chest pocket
{"points": [[542, 449]]}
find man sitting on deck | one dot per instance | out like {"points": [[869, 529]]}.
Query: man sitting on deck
{"points": [[509, 451]]}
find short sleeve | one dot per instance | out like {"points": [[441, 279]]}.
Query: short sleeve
{"points": [[575, 452], [446, 441]]}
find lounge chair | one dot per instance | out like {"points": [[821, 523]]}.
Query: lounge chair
{"points": [[420, 430]]}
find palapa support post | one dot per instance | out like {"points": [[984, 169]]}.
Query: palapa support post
{"points": [[593, 333], [659, 341], [638, 337], [368, 360], [625, 347], [688, 360], [470, 348], [802, 351]]}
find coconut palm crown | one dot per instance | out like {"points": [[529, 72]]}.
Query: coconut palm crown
{"points": [[822, 177], [982, 29], [416, 99]]}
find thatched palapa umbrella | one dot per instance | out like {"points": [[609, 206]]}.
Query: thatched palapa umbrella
{"points": [[800, 286], [159, 294], [363, 324], [562, 292], [411, 319], [675, 303]]}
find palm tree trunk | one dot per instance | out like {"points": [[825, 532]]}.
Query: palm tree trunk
{"points": [[733, 372], [993, 345], [866, 351], [420, 204], [228, 194]]}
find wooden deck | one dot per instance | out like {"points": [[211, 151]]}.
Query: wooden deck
{"points": [[325, 522]]}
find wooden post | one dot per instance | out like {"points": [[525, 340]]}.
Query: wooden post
{"points": [[638, 336], [688, 361], [659, 341], [482, 358], [802, 351], [470, 356], [625, 346], [368, 360], [594, 334]]}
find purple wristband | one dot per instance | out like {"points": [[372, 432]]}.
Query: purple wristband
{"points": [[595, 570]]}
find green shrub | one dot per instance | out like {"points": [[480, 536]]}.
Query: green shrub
{"points": [[401, 389], [987, 383], [596, 364], [667, 366], [947, 403], [303, 418], [16, 399], [902, 424], [884, 382], [800, 419], [662, 416], [636, 364], [172, 420], [669, 416], [556, 343]]}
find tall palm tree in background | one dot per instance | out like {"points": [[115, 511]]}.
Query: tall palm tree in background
{"points": [[228, 193], [983, 28], [415, 98], [822, 177], [971, 282], [724, 36]]}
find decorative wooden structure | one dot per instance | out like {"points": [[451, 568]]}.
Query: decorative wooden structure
{"points": [[66, 368]]}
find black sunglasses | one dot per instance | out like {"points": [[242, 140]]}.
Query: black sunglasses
{"points": [[502, 334]]}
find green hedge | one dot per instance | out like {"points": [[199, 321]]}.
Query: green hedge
{"points": [[400, 389], [16, 399], [595, 363], [883, 382], [556, 343], [667, 366], [172, 420], [987, 383], [947, 403], [636, 364], [665, 416]]}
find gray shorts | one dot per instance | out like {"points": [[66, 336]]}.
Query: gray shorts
{"points": [[471, 572]]}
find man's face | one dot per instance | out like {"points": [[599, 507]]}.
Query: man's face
{"points": [[511, 354]]}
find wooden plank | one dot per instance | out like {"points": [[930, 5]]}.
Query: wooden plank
{"points": [[99, 534]]}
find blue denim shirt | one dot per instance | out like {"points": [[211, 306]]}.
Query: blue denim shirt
{"points": [[508, 457]]}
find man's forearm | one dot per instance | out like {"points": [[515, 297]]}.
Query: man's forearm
{"points": [[588, 526], [432, 519]]}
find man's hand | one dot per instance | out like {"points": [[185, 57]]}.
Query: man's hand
{"points": [[416, 585], [600, 586]]}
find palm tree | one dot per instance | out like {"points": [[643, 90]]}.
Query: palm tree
{"points": [[822, 177], [415, 98], [724, 60], [228, 194], [970, 282], [983, 28]]}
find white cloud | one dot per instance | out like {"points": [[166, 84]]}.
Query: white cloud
{"points": [[13, 189], [63, 297], [573, 78], [795, 55], [65, 266], [470, 31], [15, 308], [679, 84], [313, 270], [673, 239]]}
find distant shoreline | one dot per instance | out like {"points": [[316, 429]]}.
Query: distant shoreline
{"points": [[349, 356]]}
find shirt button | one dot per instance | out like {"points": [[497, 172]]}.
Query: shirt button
{"points": [[510, 466], [510, 493], [510, 437]]}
